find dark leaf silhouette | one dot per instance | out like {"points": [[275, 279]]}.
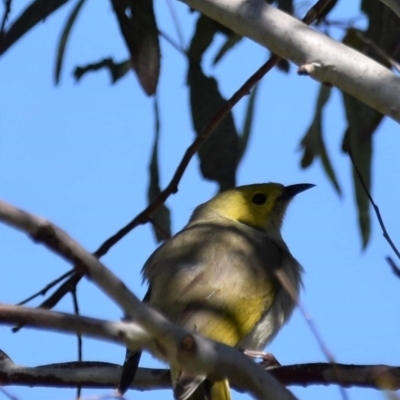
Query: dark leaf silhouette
{"points": [[362, 123], [219, 156], [161, 219], [248, 121], [64, 39], [232, 40], [313, 144], [206, 29], [384, 31], [36, 12], [139, 28]]}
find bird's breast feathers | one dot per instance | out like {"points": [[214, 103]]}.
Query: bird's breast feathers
{"points": [[220, 281]]}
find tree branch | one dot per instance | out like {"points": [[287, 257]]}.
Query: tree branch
{"points": [[316, 54], [116, 332], [91, 374]]}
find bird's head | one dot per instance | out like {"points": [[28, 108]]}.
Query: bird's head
{"points": [[261, 206]]}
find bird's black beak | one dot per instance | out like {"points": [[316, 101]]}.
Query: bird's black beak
{"points": [[293, 190]]}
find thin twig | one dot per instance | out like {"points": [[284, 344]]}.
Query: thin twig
{"points": [[7, 10], [375, 207], [43, 291], [172, 42], [78, 336], [76, 311], [7, 394], [53, 300], [177, 25], [287, 285], [395, 268]]}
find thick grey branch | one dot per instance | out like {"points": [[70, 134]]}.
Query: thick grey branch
{"points": [[73, 374], [316, 54], [40, 318]]}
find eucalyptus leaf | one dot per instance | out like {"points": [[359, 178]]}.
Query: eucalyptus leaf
{"points": [[138, 26], [220, 154], [64, 39], [161, 219], [383, 33], [313, 143], [36, 12], [248, 121]]}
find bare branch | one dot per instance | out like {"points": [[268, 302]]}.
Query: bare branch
{"points": [[116, 332], [104, 375], [44, 290]]}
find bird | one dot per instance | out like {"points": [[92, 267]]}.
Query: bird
{"points": [[218, 277]]}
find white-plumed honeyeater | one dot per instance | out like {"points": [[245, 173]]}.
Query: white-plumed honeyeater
{"points": [[218, 277]]}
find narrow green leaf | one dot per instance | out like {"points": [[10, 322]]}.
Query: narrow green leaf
{"points": [[362, 123], [383, 29], [313, 143], [206, 28], [162, 217], [232, 40], [64, 39], [36, 12], [248, 122], [138, 26], [363, 120], [219, 156]]}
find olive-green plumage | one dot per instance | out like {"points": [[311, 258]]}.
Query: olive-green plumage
{"points": [[218, 276]]}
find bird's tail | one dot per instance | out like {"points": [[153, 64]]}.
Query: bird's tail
{"points": [[198, 388], [219, 390], [129, 370]]}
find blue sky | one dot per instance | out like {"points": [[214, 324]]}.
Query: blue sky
{"points": [[78, 155]]}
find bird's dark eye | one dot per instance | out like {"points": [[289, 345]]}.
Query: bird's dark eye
{"points": [[259, 199]]}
